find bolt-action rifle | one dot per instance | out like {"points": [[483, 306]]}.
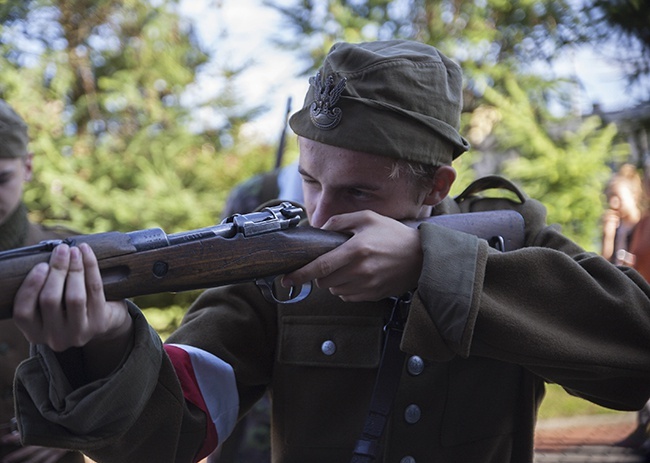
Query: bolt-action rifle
{"points": [[259, 247]]}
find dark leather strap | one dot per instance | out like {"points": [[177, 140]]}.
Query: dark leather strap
{"points": [[487, 183], [368, 445]]}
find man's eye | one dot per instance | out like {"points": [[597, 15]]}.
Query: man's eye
{"points": [[357, 193], [309, 181]]}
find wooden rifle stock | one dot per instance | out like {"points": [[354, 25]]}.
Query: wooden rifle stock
{"points": [[243, 248]]}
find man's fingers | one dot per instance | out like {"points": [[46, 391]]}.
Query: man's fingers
{"points": [[26, 314], [38, 308], [350, 222], [63, 305], [347, 276], [93, 278], [52, 292], [50, 300], [320, 267], [328, 263], [75, 292]]}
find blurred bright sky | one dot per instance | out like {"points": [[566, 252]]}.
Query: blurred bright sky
{"points": [[238, 32]]}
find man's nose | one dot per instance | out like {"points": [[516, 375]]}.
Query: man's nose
{"points": [[323, 210]]}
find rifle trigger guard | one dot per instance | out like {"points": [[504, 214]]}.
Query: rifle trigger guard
{"points": [[266, 287]]}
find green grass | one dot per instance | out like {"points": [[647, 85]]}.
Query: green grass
{"points": [[558, 403]]}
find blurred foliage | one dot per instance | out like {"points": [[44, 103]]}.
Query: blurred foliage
{"points": [[487, 37], [102, 96], [558, 403], [566, 166], [102, 84]]}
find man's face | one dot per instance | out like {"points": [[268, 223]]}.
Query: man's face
{"points": [[14, 173], [337, 180]]}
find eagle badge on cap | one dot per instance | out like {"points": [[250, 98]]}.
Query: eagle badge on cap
{"points": [[322, 111]]}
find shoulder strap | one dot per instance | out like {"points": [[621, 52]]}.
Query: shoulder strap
{"points": [[473, 198], [367, 448], [490, 182]]}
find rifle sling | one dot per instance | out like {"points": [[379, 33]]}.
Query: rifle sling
{"points": [[368, 445]]}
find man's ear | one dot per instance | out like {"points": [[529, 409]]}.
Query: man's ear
{"points": [[442, 181]]}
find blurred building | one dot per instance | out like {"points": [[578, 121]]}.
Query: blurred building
{"points": [[634, 126]]}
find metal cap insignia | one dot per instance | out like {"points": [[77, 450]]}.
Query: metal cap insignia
{"points": [[322, 111]]}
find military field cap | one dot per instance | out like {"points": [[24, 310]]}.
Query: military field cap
{"points": [[13, 133], [394, 98]]}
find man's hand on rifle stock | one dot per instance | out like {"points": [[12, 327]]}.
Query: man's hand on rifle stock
{"points": [[62, 305], [383, 258]]}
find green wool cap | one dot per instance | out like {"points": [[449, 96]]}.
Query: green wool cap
{"points": [[13, 133], [394, 98]]}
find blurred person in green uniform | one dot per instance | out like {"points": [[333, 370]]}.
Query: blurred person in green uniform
{"points": [[16, 231]]}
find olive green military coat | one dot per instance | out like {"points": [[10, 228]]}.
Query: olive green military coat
{"points": [[485, 332]]}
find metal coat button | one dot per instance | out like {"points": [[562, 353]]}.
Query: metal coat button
{"points": [[328, 348], [407, 459], [412, 414], [415, 365]]}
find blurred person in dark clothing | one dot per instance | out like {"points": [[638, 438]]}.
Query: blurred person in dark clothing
{"points": [[16, 230]]}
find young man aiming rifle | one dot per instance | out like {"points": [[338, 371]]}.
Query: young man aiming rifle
{"points": [[470, 345]]}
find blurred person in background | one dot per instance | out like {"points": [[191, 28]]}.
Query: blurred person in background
{"points": [[16, 231], [640, 239], [283, 183], [623, 193], [639, 439]]}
